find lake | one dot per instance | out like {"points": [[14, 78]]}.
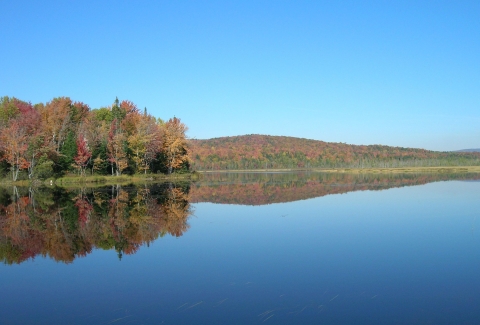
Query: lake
{"points": [[264, 248]]}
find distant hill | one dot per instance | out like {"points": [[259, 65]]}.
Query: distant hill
{"points": [[264, 151], [469, 150]]}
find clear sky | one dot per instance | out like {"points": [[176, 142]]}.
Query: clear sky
{"points": [[401, 73]]}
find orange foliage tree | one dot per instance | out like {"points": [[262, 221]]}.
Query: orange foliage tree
{"points": [[174, 144]]}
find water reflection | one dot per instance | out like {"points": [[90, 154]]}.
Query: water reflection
{"points": [[268, 188], [403, 256], [66, 224]]}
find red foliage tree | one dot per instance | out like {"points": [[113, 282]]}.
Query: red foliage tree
{"points": [[83, 154]]}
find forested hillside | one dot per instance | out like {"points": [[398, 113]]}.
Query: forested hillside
{"points": [[63, 136], [264, 151]]}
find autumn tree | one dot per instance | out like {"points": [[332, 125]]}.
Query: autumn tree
{"points": [[174, 144], [8, 110], [116, 149], [56, 122], [83, 154], [17, 136], [30, 119], [123, 123], [96, 128], [60, 122], [14, 145], [144, 142]]}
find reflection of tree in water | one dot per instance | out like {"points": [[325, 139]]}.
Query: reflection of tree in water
{"points": [[267, 188], [67, 224]]}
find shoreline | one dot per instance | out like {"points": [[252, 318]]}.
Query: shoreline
{"points": [[443, 169], [102, 180]]}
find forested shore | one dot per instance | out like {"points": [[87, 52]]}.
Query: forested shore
{"points": [[67, 138]]}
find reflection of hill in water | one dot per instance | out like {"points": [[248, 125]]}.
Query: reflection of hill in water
{"points": [[259, 189], [67, 224]]}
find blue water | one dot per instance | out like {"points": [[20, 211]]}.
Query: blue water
{"points": [[406, 255]]}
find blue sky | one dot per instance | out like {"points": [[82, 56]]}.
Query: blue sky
{"points": [[401, 73]]}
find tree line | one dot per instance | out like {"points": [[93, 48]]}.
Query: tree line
{"points": [[63, 136]]}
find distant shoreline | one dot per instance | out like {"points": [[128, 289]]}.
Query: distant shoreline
{"points": [[444, 169]]}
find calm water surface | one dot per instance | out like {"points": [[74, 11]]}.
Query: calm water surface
{"points": [[245, 249]]}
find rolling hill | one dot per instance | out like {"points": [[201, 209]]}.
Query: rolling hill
{"points": [[264, 151]]}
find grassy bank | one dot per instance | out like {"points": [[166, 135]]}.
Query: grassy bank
{"points": [[445, 169], [101, 180]]}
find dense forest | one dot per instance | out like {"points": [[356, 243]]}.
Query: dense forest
{"points": [[63, 136], [272, 152]]}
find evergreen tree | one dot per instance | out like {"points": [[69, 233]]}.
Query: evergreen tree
{"points": [[67, 152]]}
